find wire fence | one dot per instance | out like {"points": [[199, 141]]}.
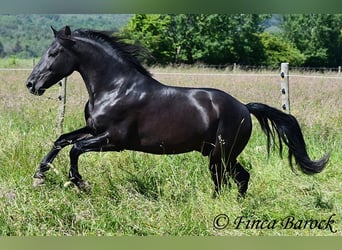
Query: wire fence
{"points": [[247, 74], [197, 72], [233, 68], [258, 68]]}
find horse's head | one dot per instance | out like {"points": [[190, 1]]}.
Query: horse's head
{"points": [[58, 62]]}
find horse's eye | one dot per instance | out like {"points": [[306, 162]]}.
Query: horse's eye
{"points": [[52, 54]]}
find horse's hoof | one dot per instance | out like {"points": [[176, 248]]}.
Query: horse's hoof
{"points": [[215, 195], [67, 184], [241, 196], [37, 182], [84, 186]]}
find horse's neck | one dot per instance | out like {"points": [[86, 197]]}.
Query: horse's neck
{"points": [[96, 74], [103, 71], [108, 80]]}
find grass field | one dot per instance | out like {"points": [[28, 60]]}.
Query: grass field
{"points": [[141, 194]]}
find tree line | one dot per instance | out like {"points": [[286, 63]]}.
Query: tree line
{"points": [[28, 35], [313, 40]]}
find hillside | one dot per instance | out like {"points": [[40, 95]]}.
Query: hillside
{"points": [[28, 35]]}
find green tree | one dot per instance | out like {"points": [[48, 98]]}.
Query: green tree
{"points": [[34, 37], [184, 30], [151, 31], [278, 50], [190, 38], [317, 36], [17, 47], [247, 45], [2, 51]]}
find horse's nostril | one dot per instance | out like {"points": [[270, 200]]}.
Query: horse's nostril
{"points": [[29, 85]]}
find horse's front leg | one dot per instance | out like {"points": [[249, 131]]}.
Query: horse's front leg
{"points": [[63, 141], [96, 143]]}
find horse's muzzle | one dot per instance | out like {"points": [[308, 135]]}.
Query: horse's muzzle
{"points": [[31, 88]]}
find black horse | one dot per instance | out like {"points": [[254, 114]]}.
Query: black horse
{"points": [[128, 109]]}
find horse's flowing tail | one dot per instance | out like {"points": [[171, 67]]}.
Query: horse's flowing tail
{"points": [[275, 122]]}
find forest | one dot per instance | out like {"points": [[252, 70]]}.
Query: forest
{"points": [[28, 36], [311, 40]]}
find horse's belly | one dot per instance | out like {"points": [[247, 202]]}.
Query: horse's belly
{"points": [[162, 148], [174, 142]]}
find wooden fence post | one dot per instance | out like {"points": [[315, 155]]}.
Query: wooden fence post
{"points": [[234, 67], [62, 102], [284, 84]]}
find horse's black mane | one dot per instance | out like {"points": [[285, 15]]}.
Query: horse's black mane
{"points": [[128, 52]]}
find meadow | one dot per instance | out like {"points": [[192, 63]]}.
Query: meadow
{"points": [[142, 194]]}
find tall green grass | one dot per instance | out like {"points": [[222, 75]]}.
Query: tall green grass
{"points": [[141, 194]]}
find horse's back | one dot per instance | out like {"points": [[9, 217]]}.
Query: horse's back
{"points": [[227, 107]]}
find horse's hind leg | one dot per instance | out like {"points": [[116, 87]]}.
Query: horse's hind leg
{"points": [[218, 172], [241, 177], [61, 142], [228, 166], [217, 176]]}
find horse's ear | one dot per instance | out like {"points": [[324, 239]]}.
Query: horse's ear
{"points": [[54, 31], [64, 37], [67, 31]]}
